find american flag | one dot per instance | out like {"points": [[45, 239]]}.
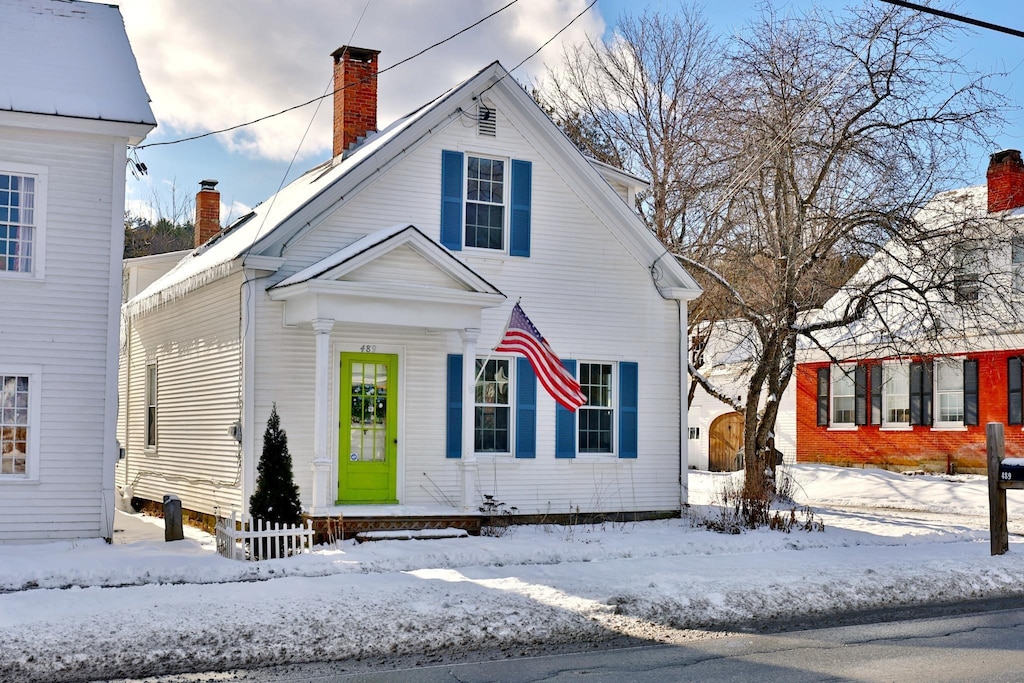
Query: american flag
{"points": [[522, 337]]}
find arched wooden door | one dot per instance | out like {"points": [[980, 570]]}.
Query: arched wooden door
{"points": [[725, 440]]}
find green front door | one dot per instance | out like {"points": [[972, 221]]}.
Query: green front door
{"points": [[368, 435]]}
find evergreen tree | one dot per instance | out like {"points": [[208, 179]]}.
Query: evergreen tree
{"points": [[277, 496]]}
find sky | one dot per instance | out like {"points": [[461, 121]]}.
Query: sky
{"points": [[211, 65], [86, 610]]}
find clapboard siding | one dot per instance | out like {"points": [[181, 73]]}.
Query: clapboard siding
{"points": [[195, 345], [63, 326], [586, 293]]}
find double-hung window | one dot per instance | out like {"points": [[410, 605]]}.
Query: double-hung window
{"points": [[19, 423], [1017, 263], [493, 426], [949, 393], [843, 396], [485, 202], [597, 415], [895, 395], [151, 405], [20, 221]]}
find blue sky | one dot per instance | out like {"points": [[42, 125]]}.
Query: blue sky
{"points": [[211, 65]]}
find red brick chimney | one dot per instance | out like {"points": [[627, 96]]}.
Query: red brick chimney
{"points": [[1005, 181], [355, 95], [207, 211]]}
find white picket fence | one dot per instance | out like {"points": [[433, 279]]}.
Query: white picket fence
{"points": [[255, 539]]}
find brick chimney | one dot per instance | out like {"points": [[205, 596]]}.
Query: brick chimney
{"points": [[207, 211], [1005, 181], [355, 95]]}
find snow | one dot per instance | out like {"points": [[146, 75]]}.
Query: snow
{"points": [[73, 59], [82, 610]]}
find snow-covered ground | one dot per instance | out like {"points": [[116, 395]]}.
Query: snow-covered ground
{"points": [[86, 610]]}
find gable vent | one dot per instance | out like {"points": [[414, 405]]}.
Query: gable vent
{"points": [[486, 121]]}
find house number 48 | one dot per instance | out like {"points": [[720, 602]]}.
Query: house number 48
{"points": [[368, 348]]}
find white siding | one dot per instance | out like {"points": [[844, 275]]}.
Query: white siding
{"points": [[588, 296], [195, 345], [61, 323]]}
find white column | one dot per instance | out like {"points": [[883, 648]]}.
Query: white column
{"points": [[321, 405], [470, 499]]}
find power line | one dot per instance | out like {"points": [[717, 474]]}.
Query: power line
{"points": [[956, 17], [317, 99]]}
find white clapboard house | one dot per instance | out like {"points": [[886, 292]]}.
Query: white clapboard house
{"points": [[71, 100], [364, 300]]}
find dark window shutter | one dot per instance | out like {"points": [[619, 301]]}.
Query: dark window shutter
{"points": [[860, 394], [823, 388], [454, 427], [971, 391], [920, 394], [629, 395], [451, 199], [522, 192], [565, 423], [1013, 388], [876, 393], [526, 410]]}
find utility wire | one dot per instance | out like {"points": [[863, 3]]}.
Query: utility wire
{"points": [[956, 17], [317, 99]]}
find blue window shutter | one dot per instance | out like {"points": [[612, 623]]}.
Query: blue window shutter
{"points": [[451, 199], [522, 192], [526, 410], [454, 448], [565, 424], [629, 394]]}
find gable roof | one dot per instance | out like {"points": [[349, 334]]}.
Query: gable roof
{"points": [[69, 58], [297, 208]]}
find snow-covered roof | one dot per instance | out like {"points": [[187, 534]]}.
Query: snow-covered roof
{"points": [[69, 58], [298, 207]]}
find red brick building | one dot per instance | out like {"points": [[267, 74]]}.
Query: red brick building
{"points": [[923, 411]]}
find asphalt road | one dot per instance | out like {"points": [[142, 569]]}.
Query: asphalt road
{"points": [[959, 642]]}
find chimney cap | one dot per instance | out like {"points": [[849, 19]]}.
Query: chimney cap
{"points": [[361, 54], [207, 184], [1003, 156]]}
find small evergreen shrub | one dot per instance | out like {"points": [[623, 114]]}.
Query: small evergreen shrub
{"points": [[276, 499]]}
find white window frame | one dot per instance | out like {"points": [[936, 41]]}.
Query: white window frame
{"points": [[34, 374], [587, 408], [511, 405], [1017, 263], [151, 418], [937, 395], [837, 372], [888, 396], [40, 175], [505, 203]]}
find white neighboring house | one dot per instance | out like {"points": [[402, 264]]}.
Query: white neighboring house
{"points": [[715, 427], [352, 298], [71, 100]]}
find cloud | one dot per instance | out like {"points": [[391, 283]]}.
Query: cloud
{"points": [[210, 65]]}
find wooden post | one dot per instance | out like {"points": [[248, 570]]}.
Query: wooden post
{"points": [[998, 534]]}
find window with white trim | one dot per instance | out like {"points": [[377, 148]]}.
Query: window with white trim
{"points": [[1017, 263], [15, 425], [895, 395], [969, 266], [485, 202], [843, 396], [151, 405], [20, 222], [492, 431], [949, 393], [596, 417]]}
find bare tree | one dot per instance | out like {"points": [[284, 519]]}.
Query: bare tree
{"points": [[840, 129], [782, 164]]}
